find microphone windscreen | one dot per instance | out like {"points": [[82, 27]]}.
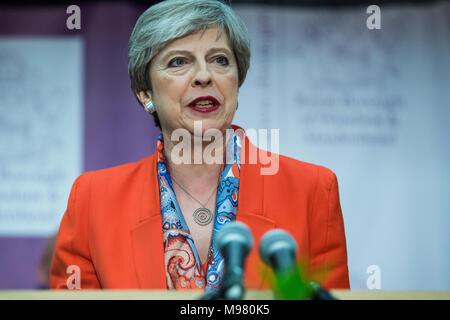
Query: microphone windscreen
{"points": [[234, 232], [275, 240]]}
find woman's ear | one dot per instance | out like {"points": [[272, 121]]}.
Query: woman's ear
{"points": [[144, 97]]}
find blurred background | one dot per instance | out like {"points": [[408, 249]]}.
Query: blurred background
{"points": [[373, 105]]}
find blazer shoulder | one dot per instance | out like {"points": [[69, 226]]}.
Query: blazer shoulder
{"points": [[297, 183], [304, 171], [118, 173]]}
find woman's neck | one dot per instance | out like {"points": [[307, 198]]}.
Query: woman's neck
{"points": [[194, 163]]}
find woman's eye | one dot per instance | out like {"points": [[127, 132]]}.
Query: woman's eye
{"points": [[222, 60], [176, 62]]}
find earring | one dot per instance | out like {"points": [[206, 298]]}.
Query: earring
{"points": [[237, 105], [150, 107]]}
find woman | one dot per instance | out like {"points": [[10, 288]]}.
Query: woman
{"points": [[152, 224]]}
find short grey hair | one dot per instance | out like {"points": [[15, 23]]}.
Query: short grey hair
{"points": [[169, 20]]}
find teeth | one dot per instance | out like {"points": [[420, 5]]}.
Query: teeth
{"points": [[204, 103]]}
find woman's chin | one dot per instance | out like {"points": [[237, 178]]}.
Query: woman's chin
{"points": [[203, 125]]}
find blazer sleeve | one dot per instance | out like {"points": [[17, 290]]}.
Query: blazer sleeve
{"points": [[328, 243], [71, 257]]}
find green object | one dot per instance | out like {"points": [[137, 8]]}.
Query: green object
{"points": [[288, 285]]}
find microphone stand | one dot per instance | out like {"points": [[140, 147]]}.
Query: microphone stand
{"points": [[212, 295], [231, 289], [320, 293], [237, 292], [290, 286]]}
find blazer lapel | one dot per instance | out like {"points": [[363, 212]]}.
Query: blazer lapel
{"points": [[147, 243], [255, 270], [146, 234], [251, 211]]}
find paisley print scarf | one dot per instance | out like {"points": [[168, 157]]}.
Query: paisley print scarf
{"points": [[182, 262]]}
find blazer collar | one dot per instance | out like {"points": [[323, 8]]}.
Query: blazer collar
{"points": [[251, 211]]}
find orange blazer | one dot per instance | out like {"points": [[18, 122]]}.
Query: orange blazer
{"points": [[112, 228]]}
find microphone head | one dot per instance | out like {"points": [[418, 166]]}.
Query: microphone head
{"points": [[234, 232], [274, 241]]}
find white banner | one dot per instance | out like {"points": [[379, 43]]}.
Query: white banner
{"points": [[373, 106], [41, 109]]}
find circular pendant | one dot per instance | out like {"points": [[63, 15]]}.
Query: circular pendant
{"points": [[202, 216]]}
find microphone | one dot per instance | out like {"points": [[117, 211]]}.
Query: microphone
{"points": [[234, 242], [278, 249]]}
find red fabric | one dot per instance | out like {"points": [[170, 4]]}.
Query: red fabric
{"points": [[112, 226]]}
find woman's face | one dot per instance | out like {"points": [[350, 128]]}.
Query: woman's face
{"points": [[195, 78]]}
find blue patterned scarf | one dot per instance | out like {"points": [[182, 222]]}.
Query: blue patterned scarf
{"points": [[182, 263]]}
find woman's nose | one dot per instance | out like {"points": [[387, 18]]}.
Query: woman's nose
{"points": [[202, 77]]}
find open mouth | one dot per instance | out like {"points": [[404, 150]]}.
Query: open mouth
{"points": [[204, 104]]}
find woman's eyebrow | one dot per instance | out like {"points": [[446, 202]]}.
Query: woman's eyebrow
{"points": [[175, 52], [221, 49], [189, 53]]}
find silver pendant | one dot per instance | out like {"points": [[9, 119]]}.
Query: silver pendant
{"points": [[202, 216]]}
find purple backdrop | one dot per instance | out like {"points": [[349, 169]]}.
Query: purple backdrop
{"points": [[116, 129]]}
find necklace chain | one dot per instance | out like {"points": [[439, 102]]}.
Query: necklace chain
{"points": [[190, 195], [202, 216]]}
